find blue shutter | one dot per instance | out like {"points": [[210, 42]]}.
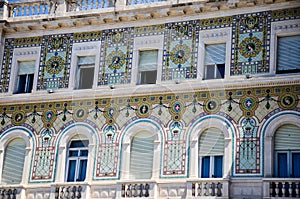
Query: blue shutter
{"points": [[71, 171], [296, 165], [282, 165], [288, 53], [218, 167], [205, 167]]}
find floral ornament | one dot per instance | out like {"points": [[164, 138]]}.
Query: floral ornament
{"points": [[180, 54], [250, 47], [182, 30], [54, 65], [116, 59], [251, 22]]}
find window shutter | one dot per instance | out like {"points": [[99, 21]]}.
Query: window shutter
{"points": [[148, 60], [211, 142], [14, 162], [215, 54], [288, 53], [141, 156], [87, 60], [287, 137], [26, 67]]}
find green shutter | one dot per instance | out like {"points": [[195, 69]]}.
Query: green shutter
{"points": [[14, 162], [141, 156], [287, 137], [211, 142]]}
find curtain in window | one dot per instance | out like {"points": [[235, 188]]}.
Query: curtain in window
{"points": [[215, 54], [26, 67], [288, 53], [211, 143], [148, 60], [287, 137], [14, 162], [141, 156]]}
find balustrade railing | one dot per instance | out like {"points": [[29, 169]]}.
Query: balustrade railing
{"points": [[206, 188], [135, 2], [136, 190], [32, 8], [6, 193], [71, 191], [285, 188], [80, 5]]}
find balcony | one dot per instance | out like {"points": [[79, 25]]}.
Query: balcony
{"points": [[11, 192], [281, 188]]}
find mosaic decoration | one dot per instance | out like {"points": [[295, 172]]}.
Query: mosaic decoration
{"points": [[44, 158], [149, 30], [212, 23], [6, 65], [87, 36], [247, 152], [175, 151], [285, 14], [116, 56], [251, 40], [181, 42], [108, 153], [55, 62]]}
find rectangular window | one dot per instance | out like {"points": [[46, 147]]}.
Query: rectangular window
{"points": [[25, 77], [214, 61], [218, 167], [296, 165], [205, 167], [85, 72], [288, 54], [282, 165], [147, 70]]}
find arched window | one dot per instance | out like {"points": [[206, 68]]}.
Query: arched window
{"points": [[14, 161], [287, 151], [211, 152], [77, 157], [141, 156]]}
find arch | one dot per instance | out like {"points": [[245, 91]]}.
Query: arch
{"points": [[128, 134], [200, 126], [29, 139], [267, 137], [62, 145]]}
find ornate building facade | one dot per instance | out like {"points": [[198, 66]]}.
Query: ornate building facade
{"points": [[150, 99]]}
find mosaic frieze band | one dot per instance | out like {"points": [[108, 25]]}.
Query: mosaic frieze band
{"points": [[250, 51], [245, 110]]}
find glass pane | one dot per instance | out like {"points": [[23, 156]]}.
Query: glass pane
{"points": [[73, 153], [21, 83], [205, 167], [86, 78], [71, 171], [282, 165], [29, 83], [296, 165], [79, 143], [218, 170], [148, 77], [82, 170], [84, 153], [210, 72], [221, 71]]}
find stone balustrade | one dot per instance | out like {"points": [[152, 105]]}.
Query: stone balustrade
{"points": [[282, 188], [32, 8], [209, 188], [137, 190], [69, 191], [10, 192]]}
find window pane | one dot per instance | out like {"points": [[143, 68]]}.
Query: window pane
{"points": [[84, 153], [220, 71], [21, 83], [86, 78], [29, 83], [79, 143], [288, 54], [218, 167], [296, 165], [82, 170], [210, 72], [205, 167], [73, 153], [148, 77], [282, 165], [71, 171]]}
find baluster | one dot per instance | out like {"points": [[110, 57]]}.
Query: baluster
{"points": [[199, 189], [128, 191], [193, 189], [215, 189], [79, 189], [123, 191], [1, 194], [283, 189], [219, 190], [134, 191], [147, 187], [290, 188], [297, 187], [276, 188], [271, 189], [140, 190]]}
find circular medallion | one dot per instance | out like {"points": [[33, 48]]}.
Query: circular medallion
{"points": [[143, 110], [80, 114], [250, 47], [54, 65], [287, 101], [18, 118], [49, 116], [116, 59], [180, 54], [212, 106]]}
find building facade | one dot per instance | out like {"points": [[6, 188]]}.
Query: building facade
{"points": [[150, 99]]}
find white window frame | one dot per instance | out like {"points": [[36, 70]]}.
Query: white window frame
{"points": [[139, 78], [154, 42], [289, 161], [82, 50], [281, 29], [83, 66], [211, 165], [208, 37], [20, 55]]}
